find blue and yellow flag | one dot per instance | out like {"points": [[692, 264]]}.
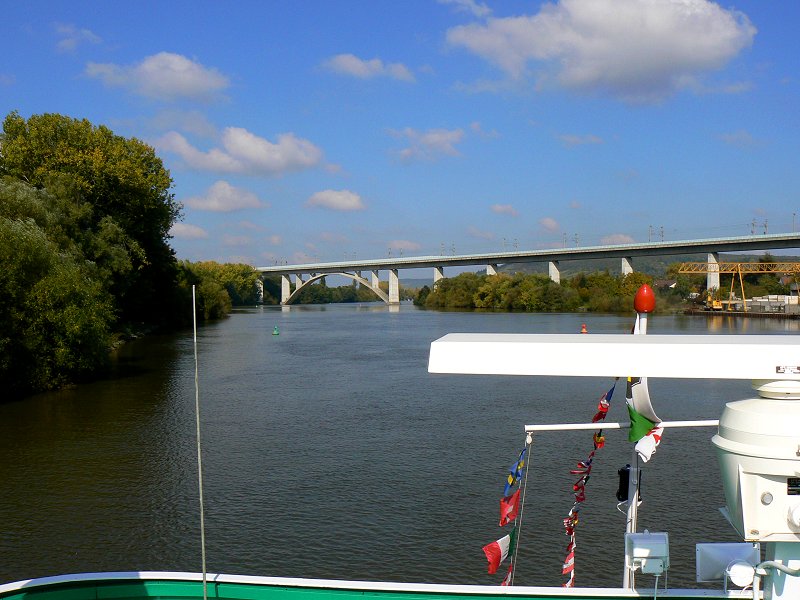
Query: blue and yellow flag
{"points": [[515, 472]]}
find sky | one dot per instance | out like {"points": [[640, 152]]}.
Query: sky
{"points": [[306, 131]]}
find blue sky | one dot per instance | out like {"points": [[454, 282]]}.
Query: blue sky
{"points": [[322, 131]]}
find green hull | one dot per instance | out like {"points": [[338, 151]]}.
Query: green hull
{"points": [[189, 586]]}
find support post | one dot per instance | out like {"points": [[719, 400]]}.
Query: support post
{"points": [[627, 265], [375, 280], [712, 278], [438, 273], [298, 281], [491, 269], [394, 287], [357, 285], [552, 270], [286, 288]]}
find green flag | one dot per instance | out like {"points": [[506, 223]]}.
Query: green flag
{"points": [[639, 425]]}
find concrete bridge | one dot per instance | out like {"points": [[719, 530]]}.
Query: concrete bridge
{"points": [[305, 274]]}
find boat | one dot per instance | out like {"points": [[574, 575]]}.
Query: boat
{"points": [[757, 442]]}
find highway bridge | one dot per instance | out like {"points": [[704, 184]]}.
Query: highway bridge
{"points": [[305, 274]]}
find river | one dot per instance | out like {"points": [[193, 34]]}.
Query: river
{"points": [[330, 452]]}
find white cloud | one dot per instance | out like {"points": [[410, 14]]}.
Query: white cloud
{"points": [[549, 224], [193, 121], [740, 139], [403, 245], [617, 238], [429, 145], [275, 240], [335, 238], [236, 240], [7, 79], [476, 9], [349, 64], [163, 76], [250, 225], [504, 209], [481, 235], [342, 200], [72, 36], [575, 205], [635, 50], [579, 140], [245, 152], [477, 129], [184, 231], [223, 197]]}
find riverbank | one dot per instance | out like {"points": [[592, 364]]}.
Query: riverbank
{"points": [[740, 313]]}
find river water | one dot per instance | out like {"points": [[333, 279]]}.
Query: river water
{"points": [[330, 452]]}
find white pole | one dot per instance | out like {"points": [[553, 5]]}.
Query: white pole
{"points": [[199, 453]]}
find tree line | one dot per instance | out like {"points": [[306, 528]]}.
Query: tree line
{"points": [[85, 259], [600, 291], [597, 292]]}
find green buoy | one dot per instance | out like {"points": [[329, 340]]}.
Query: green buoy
{"points": [[275, 331]]}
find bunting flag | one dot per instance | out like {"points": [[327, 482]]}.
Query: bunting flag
{"points": [[509, 507], [498, 551], [604, 404], [569, 564], [647, 445], [515, 472], [584, 469], [509, 575]]}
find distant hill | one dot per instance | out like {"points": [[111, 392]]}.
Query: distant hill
{"points": [[416, 283]]}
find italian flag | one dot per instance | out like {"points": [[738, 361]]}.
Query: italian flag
{"points": [[497, 551]]}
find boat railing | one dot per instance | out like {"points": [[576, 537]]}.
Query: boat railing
{"points": [[607, 425]]}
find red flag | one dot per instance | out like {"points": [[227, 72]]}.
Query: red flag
{"points": [[509, 507], [507, 578]]}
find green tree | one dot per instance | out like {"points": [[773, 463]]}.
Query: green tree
{"points": [[126, 189], [55, 317]]}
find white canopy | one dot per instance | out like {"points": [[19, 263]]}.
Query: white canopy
{"points": [[758, 357]]}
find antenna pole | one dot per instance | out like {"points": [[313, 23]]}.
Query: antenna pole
{"points": [[199, 453]]}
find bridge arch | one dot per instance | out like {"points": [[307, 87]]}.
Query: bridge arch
{"points": [[377, 291]]}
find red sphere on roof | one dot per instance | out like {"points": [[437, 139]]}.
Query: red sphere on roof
{"points": [[645, 300]]}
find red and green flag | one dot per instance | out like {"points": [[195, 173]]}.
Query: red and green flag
{"points": [[498, 551]]}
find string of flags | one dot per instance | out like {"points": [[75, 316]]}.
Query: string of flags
{"points": [[584, 469], [497, 551]]}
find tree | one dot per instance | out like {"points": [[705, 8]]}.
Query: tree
{"points": [[55, 317], [126, 188]]}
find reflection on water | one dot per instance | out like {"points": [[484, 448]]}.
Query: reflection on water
{"points": [[329, 451]]}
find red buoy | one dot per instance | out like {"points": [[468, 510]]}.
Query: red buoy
{"points": [[645, 300], [583, 328]]}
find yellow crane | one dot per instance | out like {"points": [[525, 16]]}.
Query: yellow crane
{"points": [[740, 268]]}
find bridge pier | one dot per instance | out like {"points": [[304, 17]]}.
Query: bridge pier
{"points": [[286, 288], [712, 278], [627, 265], [491, 269], [298, 281], [394, 287], [553, 272], [438, 273]]}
